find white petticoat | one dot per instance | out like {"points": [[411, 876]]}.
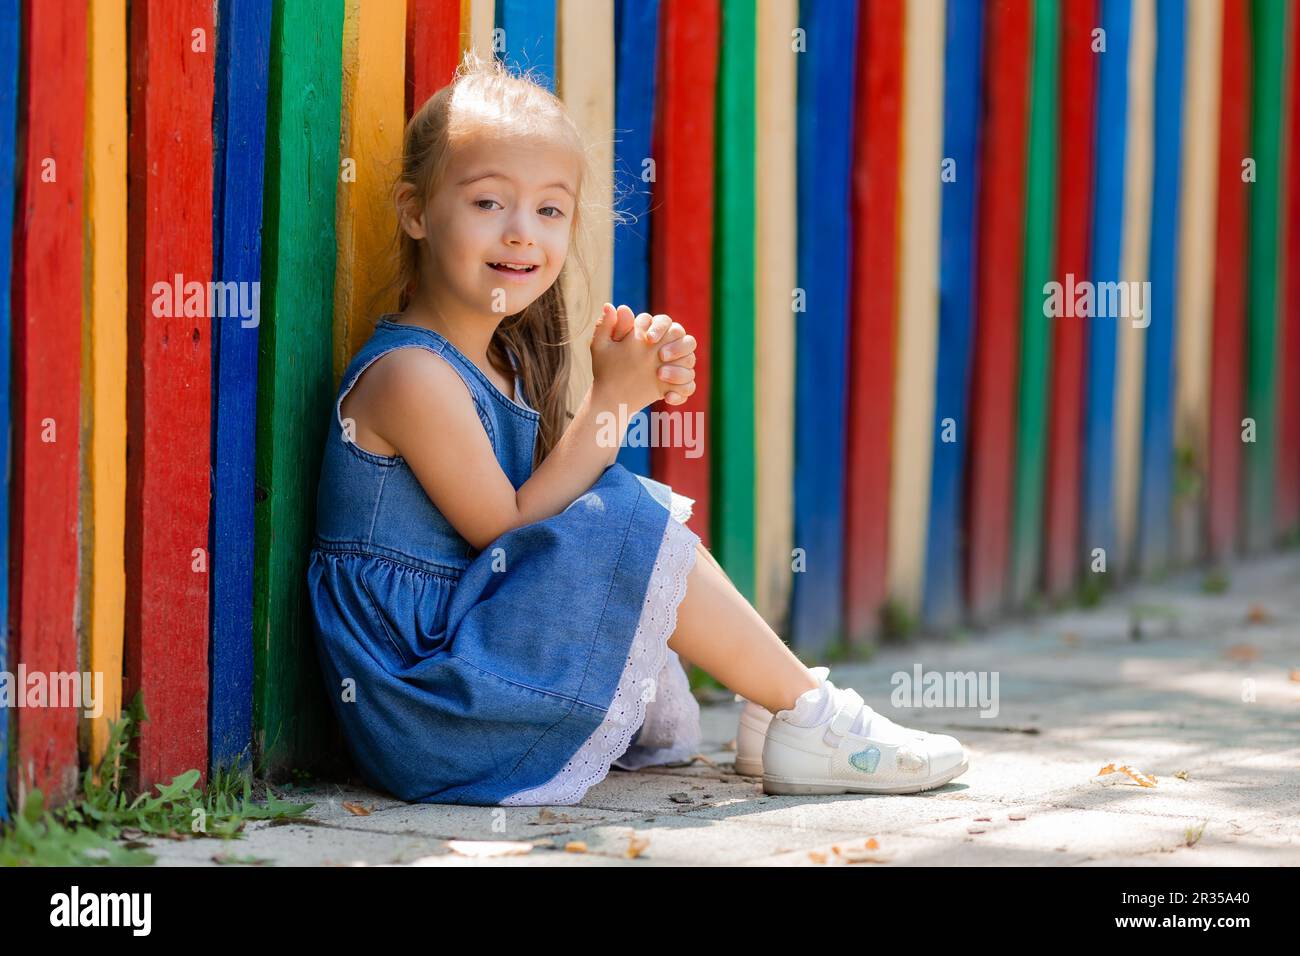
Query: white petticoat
{"points": [[653, 693]]}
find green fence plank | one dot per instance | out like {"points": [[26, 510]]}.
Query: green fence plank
{"points": [[295, 381]]}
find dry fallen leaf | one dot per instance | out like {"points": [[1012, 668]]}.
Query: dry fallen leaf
{"points": [[1258, 614], [357, 809], [1142, 779], [851, 854], [575, 846], [1294, 675], [481, 849], [635, 845], [1181, 775], [1241, 652], [547, 815]]}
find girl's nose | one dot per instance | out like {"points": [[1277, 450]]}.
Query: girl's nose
{"points": [[518, 231]]}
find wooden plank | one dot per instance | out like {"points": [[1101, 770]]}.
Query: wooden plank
{"points": [[636, 40], [1134, 268], [528, 29], [46, 389], [1078, 87], [10, 30], [1196, 271], [878, 105], [1288, 464], [1157, 454], [1111, 139], [433, 47], [586, 59], [477, 25], [1036, 329], [918, 300], [963, 70], [775, 252], [682, 243], [734, 384], [239, 155], [103, 363], [825, 154], [997, 348], [169, 383], [1268, 29], [1227, 351], [295, 380], [374, 72]]}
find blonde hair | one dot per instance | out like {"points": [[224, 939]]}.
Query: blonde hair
{"points": [[485, 98]]}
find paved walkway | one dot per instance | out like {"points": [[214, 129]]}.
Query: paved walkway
{"points": [[1076, 691]]}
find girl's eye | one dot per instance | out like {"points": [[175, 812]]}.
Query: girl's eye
{"points": [[559, 213], [480, 202]]}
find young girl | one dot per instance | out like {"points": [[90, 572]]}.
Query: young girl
{"points": [[499, 606]]}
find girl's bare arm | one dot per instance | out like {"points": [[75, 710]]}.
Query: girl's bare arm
{"points": [[424, 410]]}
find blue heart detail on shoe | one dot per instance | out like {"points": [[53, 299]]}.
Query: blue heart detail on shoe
{"points": [[866, 760]]}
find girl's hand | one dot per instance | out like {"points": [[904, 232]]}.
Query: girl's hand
{"points": [[677, 352], [624, 370]]}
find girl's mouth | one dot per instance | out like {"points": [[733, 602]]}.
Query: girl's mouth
{"points": [[512, 269]]}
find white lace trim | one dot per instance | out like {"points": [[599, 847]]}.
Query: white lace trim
{"points": [[646, 659], [671, 732]]}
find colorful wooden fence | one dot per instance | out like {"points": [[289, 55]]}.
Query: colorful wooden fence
{"points": [[995, 301]]}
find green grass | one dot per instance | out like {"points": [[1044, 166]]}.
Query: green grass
{"points": [[1189, 477], [1215, 581], [897, 623], [104, 824]]}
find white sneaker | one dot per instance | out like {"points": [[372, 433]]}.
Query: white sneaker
{"points": [[882, 758], [752, 731]]}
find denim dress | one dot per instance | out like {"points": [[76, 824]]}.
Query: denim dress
{"points": [[514, 676]]}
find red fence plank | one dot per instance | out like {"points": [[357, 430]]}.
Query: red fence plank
{"points": [[878, 103], [1227, 356], [173, 52], [1073, 242], [997, 346], [682, 256], [432, 48], [47, 301]]}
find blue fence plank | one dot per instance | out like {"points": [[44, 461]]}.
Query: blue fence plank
{"points": [[529, 27], [636, 54], [1155, 512], [824, 156], [963, 71], [1098, 522], [239, 121], [9, 33]]}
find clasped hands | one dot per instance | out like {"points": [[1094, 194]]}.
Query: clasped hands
{"points": [[628, 368]]}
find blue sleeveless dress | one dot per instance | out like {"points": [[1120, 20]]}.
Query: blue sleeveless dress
{"points": [[514, 676]]}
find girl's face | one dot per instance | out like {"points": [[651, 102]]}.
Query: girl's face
{"points": [[498, 229]]}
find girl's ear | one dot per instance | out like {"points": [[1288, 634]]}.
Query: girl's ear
{"points": [[412, 218]]}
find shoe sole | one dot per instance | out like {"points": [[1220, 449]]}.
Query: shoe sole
{"points": [[749, 768], [787, 787]]}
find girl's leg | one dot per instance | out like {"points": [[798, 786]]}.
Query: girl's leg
{"points": [[721, 632]]}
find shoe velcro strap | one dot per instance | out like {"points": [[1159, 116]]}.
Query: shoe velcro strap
{"points": [[843, 720]]}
